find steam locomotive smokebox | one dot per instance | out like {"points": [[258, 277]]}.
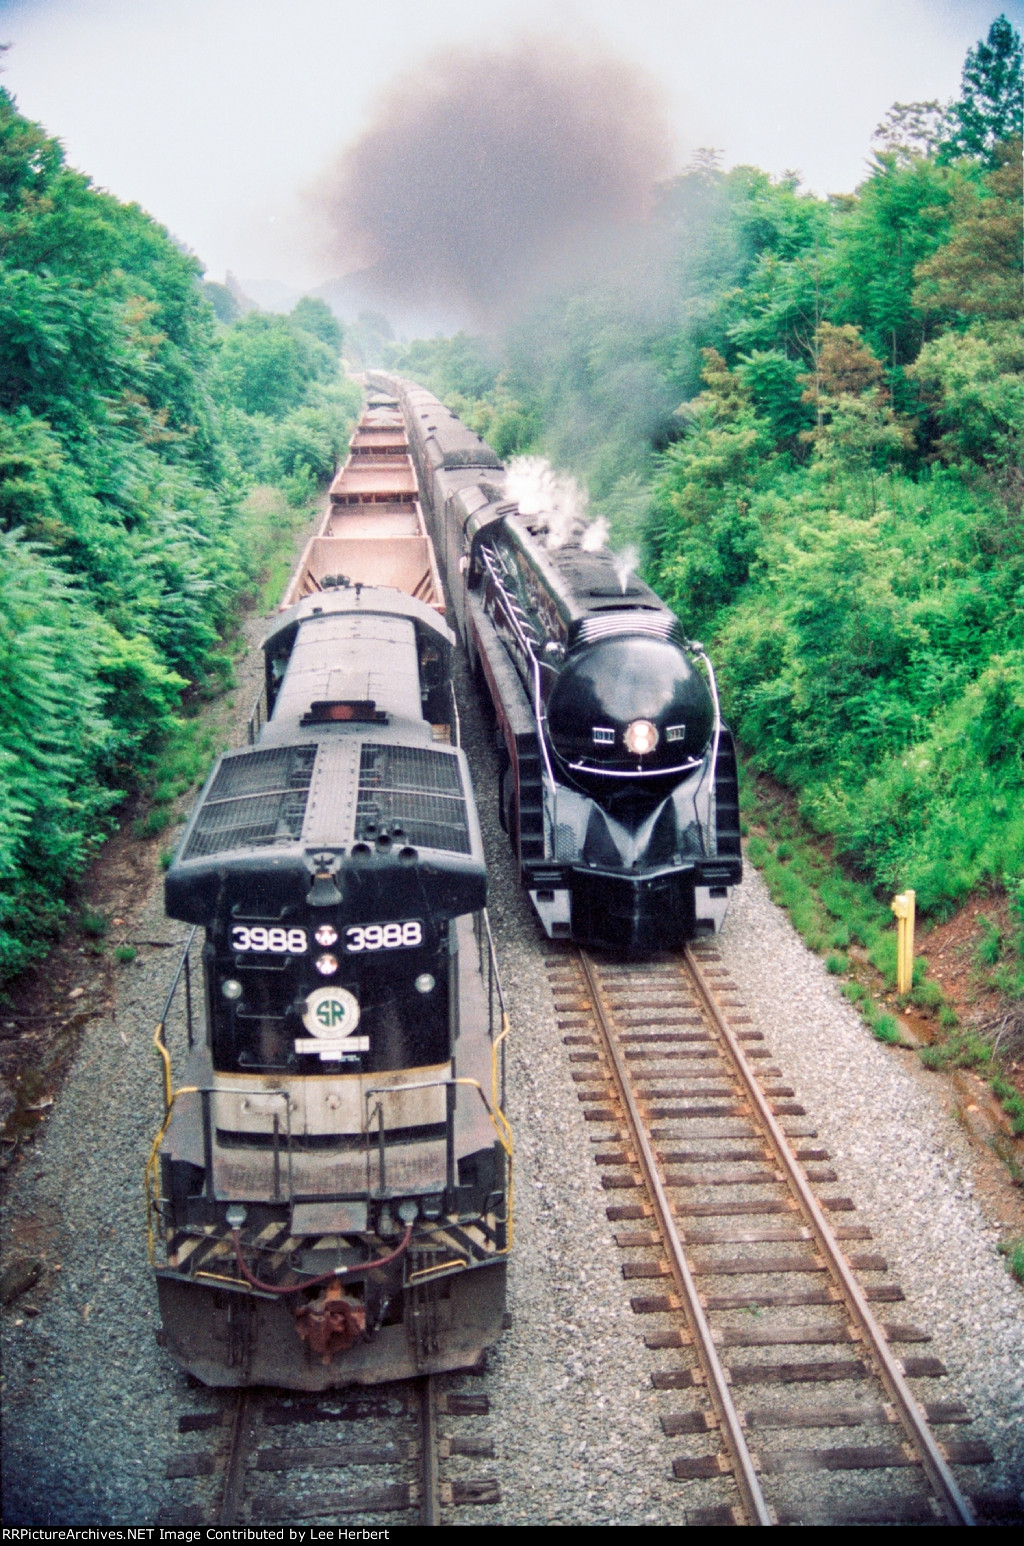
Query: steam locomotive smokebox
{"points": [[629, 677]]}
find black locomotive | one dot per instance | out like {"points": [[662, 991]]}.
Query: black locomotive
{"points": [[618, 784], [332, 1179]]}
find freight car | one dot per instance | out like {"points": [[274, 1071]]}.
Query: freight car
{"points": [[331, 1186], [618, 783]]}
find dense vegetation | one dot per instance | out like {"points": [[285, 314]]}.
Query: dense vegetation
{"points": [[132, 426], [837, 502]]}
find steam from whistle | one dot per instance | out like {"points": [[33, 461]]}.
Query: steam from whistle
{"points": [[487, 170]]}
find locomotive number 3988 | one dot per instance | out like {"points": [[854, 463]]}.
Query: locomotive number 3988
{"points": [[258, 940], [278, 942]]}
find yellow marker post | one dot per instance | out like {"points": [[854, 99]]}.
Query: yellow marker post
{"points": [[904, 906]]}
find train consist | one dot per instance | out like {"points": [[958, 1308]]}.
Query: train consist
{"points": [[331, 1185], [618, 783]]}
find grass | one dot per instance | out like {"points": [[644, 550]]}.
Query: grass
{"points": [[272, 522], [990, 946], [93, 924], [885, 1027], [125, 953], [843, 918], [1013, 1250]]}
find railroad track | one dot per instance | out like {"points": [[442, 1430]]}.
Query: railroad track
{"points": [[792, 1402], [359, 1456]]}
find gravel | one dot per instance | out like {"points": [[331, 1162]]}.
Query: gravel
{"points": [[91, 1402]]}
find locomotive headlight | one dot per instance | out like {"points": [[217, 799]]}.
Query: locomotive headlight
{"points": [[231, 988], [326, 935], [641, 737], [424, 983], [326, 965]]}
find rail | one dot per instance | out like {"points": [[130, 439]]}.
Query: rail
{"points": [[944, 1484], [744, 1471]]}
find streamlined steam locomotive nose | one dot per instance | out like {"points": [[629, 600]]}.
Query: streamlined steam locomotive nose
{"points": [[627, 697]]}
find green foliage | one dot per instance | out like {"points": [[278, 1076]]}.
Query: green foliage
{"points": [[266, 364], [1013, 1250], [463, 365], [93, 924], [885, 1027], [313, 315], [126, 539], [990, 945], [990, 109], [226, 308]]}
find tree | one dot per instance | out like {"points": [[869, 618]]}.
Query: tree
{"points": [[900, 217], [313, 315], [911, 130], [990, 109], [266, 365], [977, 273]]}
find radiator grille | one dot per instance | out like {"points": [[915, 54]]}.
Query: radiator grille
{"points": [[416, 791], [257, 799], [605, 625]]}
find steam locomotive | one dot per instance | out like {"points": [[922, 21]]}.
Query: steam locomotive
{"points": [[618, 783], [331, 1184]]}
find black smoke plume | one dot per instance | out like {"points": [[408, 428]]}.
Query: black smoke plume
{"points": [[487, 171]]}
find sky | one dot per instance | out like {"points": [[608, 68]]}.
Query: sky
{"points": [[223, 117]]}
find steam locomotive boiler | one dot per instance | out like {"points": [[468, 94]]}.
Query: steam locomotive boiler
{"points": [[618, 783], [332, 1180]]}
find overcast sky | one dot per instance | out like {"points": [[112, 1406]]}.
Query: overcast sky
{"points": [[220, 116]]}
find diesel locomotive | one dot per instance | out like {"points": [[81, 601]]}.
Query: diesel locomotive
{"points": [[331, 1188], [618, 783]]}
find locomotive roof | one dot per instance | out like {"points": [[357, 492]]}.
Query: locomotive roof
{"points": [[593, 591], [447, 441], [380, 815], [382, 599]]}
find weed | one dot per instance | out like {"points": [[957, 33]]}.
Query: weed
{"points": [[948, 1018], [883, 955], [926, 994], [758, 851], [990, 946], [167, 858], [836, 963], [886, 1028], [784, 851], [1013, 1250], [1005, 1151], [153, 823], [854, 991], [125, 953], [1010, 1101], [185, 760], [93, 924]]}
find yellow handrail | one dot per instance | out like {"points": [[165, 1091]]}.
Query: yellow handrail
{"points": [[150, 1174]]}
